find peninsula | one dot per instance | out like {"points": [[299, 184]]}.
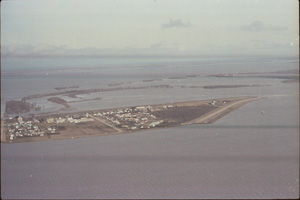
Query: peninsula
{"points": [[117, 120]]}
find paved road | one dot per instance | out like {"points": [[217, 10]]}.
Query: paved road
{"points": [[220, 110], [104, 122]]}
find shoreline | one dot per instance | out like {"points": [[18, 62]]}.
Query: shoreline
{"points": [[3, 130]]}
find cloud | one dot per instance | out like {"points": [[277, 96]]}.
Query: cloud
{"points": [[176, 23], [258, 26]]}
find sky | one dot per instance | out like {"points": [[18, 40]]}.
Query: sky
{"points": [[149, 27]]}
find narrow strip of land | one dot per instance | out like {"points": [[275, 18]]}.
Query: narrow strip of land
{"points": [[119, 120], [219, 112]]}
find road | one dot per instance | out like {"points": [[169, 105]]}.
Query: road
{"points": [[215, 113], [111, 126]]}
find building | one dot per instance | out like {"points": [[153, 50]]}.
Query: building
{"points": [[60, 120], [11, 137], [141, 108], [50, 120], [36, 121], [20, 119], [153, 124]]}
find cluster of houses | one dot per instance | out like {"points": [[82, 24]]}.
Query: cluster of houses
{"points": [[19, 128], [217, 103], [131, 118], [70, 119], [168, 106], [139, 117]]}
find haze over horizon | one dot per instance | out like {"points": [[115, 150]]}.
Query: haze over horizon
{"points": [[35, 28]]}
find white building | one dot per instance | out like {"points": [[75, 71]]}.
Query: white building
{"points": [[50, 120], [153, 124], [60, 120], [20, 119]]}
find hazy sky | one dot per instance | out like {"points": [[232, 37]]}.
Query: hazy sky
{"points": [[203, 27]]}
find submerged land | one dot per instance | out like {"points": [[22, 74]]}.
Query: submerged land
{"points": [[24, 106], [288, 76], [117, 120]]}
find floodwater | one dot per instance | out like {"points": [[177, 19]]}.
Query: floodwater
{"points": [[246, 154]]}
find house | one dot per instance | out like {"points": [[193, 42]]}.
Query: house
{"points": [[120, 111], [153, 124], [212, 103], [153, 116], [11, 137], [50, 120], [20, 119], [83, 119], [60, 120], [70, 119], [36, 121], [116, 122], [131, 119], [76, 116], [52, 130], [141, 108], [150, 108], [11, 130]]}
